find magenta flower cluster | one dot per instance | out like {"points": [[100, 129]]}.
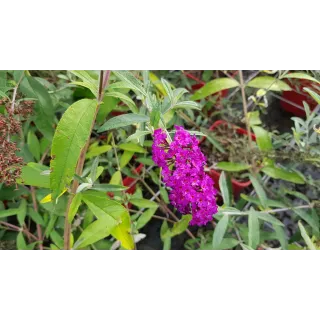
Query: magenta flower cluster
{"points": [[182, 163]]}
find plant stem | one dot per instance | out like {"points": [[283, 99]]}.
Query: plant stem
{"points": [[165, 208], [104, 80], [35, 206], [245, 110]]}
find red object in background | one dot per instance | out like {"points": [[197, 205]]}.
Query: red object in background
{"points": [[128, 180], [237, 186], [298, 97]]}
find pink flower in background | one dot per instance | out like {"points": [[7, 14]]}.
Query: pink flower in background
{"points": [[182, 163]]}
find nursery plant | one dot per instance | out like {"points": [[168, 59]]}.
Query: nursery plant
{"points": [[92, 159]]}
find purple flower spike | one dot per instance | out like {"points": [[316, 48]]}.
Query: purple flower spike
{"points": [[182, 163]]}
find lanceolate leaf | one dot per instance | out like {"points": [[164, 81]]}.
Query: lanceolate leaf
{"points": [[215, 86], [11, 212], [220, 231], [88, 81], [278, 173], [254, 232], [300, 75], [224, 189], [124, 98], [306, 237], [131, 80], [259, 190], [263, 138], [131, 147], [32, 175], [181, 225], [123, 120], [70, 137], [115, 216], [34, 145], [145, 217], [268, 83], [232, 166]]}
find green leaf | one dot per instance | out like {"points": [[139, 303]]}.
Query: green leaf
{"points": [[94, 232], [43, 109], [155, 118], [146, 161], [267, 217], [31, 175], [278, 173], [297, 194], [95, 150], [131, 81], [232, 166], [70, 138], [215, 86], [94, 168], [116, 178], [167, 88], [281, 235], [125, 158], [254, 118], [263, 138], [88, 81], [165, 231], [157, 83], [220, 231], [34, 145], [21, 243], [224, 189], [164, 195], [115, 216], [127, 100], [306, 217], [226, 243], [22, 209], [44, 145], [300, 75], [108, 187], [122, 232], [181, 226], [306, 237], [131, 147], [138, 134], [144, 203], [313, 94], [109, 104], [259, 190], [123, 120], [254, 232], [269, 83], [57, 239], [145, 217], [187, 105], [74, 206], [36, 217]]}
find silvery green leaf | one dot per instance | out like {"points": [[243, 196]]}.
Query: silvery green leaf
{"points": [[137, 135], [167, 88], [187, 104], [83, 187]]}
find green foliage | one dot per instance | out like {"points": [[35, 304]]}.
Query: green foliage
{"points": [[117, 192], [215, 86], [70, 138]]}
